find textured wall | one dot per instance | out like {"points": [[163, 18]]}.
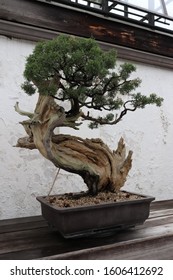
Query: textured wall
{"points": [[26, 174]]}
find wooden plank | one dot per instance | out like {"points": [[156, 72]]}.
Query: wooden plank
{"points": [[23, 234], [160, 248], [31, 254], [22, 226], [32, 33], [21, 220], [26, 243], [31, 238], [163, 220], [160, 213], [81, 23], [162, 204]]}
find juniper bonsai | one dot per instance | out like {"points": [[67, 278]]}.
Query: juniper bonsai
{"points": [[78, 72]]}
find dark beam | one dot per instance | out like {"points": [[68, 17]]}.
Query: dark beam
{"points": [[59, 19]]}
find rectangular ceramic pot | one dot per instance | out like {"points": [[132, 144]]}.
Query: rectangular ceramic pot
{"points": [[96, 219]]}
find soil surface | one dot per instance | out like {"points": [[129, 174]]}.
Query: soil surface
{"points": [[83, 199]]}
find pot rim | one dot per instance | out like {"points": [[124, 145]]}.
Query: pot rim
{"points": [[146, 198]]}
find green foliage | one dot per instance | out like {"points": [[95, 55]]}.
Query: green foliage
{"points": [[140, 101], [75, 61], [78, 70], [29, 88]]}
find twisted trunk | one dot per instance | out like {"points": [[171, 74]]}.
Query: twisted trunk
{"points": [[92, 159]]}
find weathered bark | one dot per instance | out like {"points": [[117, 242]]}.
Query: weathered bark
{"points": [[92, 159]]}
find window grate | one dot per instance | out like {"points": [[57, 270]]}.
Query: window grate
{"points": [[122, 10]]}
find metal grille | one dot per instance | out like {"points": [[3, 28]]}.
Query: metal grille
{"points": [[125, 10]]}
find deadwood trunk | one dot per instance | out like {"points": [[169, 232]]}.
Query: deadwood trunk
{"points": [[92, 159]]}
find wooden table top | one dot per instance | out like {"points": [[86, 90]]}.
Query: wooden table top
{"points": [[31, 238]]}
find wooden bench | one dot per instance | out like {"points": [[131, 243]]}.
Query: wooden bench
{"points": [[31, 238]]}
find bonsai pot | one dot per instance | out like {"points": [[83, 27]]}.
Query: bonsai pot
{"points": [[97, 219]]}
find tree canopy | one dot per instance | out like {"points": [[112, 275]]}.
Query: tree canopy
{"points": [[79, 71]]}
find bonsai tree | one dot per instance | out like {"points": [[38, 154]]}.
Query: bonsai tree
{"points": [[78, 73]]}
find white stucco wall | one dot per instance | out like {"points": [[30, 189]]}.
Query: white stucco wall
{"points": [[26, 174]]}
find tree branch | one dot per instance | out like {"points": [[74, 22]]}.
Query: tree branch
{"points": [[23, 113], [103, 121]]}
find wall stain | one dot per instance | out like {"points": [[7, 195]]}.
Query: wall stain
{"points": [[165, 125]]}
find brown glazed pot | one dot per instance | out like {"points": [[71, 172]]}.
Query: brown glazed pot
{"points": [[97, 219]]}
